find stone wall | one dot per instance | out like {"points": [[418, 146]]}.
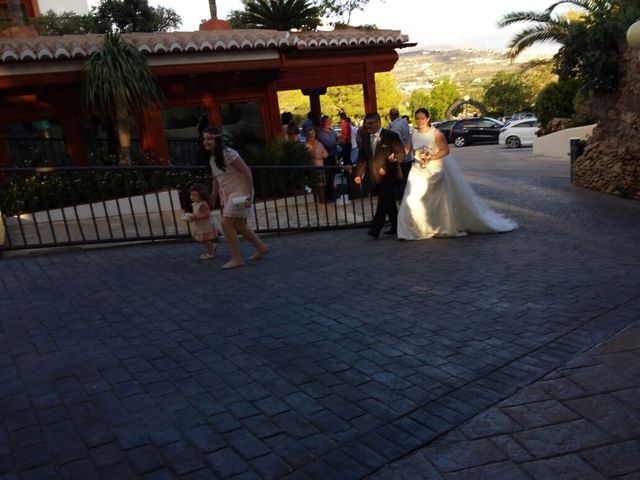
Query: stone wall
{"points": [[611, 159]]}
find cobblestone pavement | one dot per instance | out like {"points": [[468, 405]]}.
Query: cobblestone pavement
{"points": [[336, 356]]}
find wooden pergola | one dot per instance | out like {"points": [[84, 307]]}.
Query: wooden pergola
{"points": [[41, 77]]}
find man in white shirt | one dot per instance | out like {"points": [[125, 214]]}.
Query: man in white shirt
{"points": [[398, 125]]}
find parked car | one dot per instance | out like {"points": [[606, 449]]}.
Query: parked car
{"points": [[519, 132], [522, 116], [444, 127], [473, 130]]}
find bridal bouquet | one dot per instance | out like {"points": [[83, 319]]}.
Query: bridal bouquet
{"points": [[422, 155]]}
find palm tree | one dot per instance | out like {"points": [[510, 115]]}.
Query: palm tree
{"points": [[213, 8], [119, 81], [548, 27], [280, 14]]}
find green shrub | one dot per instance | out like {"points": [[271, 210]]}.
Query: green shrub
{"points": [[280, 152], [30, 192], [556, 100]]}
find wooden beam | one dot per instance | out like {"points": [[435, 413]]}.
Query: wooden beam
{"points": [[369, 92], [72, 131], [153, 139]]}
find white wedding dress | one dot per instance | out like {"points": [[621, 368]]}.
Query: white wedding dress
{"points": [[439, 202]]}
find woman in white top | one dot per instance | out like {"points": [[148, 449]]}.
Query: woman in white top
{"points": [[233, 182], [438, 201]]}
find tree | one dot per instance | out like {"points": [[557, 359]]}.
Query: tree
{"points": [[556, 100], [536, 76], [281, 15], [341, 10], [117, 80], [443, 94], [418, 99], [545, 28], [128, 16], [345, 98], [110, 15], [387, 94], [213, 9], [65, 23], [505, 94], [591, 40]]}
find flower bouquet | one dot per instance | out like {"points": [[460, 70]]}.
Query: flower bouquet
{"points": [[422, 155]]}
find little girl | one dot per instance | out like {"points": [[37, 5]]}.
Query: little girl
{"points": [[201, 228]]}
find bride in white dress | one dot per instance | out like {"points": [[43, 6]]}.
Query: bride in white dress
{"points": [[438, 201]]}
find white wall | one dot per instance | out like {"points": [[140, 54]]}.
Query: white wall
{"points": [[58, 6], [557, 144]]}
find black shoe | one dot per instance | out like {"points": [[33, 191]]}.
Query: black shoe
{"points": [[373, 233], [391, 232]]}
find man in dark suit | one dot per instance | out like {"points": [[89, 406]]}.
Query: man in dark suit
{"points": [[379, 157]]}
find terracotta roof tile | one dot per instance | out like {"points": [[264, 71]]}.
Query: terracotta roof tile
{"points": [[30, 49]]}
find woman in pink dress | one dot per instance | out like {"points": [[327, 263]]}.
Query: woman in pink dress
{"points": [[233, 182], [201, 228]]}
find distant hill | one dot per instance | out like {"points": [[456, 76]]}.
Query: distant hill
{"points": [[468, 68]]}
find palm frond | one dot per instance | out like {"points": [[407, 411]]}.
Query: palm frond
{"points": [[524, 16], [550, 33], [282, 14], [117, 76], [533, 64]]}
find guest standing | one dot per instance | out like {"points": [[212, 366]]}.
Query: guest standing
{"points": [[329, 140], [318, 155]]}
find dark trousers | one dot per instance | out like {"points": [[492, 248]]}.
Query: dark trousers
{"points": [[330, 161], [386, 207], [346, 154]]}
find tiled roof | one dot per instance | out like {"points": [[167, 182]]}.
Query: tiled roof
{"points": [[68, 47]]}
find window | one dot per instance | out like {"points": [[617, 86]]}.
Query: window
{"points": [[36, 143], [183, 127], [242, 123]]}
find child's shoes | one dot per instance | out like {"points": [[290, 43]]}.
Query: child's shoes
{"points": [[207, 256]]}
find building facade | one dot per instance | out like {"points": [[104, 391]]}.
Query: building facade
{"points": [[227, 78]]}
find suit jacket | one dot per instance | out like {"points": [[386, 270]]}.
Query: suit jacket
{"points": [[388, 143]]}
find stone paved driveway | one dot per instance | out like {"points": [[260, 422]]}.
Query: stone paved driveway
{"points": [[579, 422], [329, 359]]}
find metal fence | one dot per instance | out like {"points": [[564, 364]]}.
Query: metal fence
{"points": [[52, 152], [35, 152], [61, 206]]}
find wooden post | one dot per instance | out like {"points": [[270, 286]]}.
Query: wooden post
{"points": [[272, 113], [72, 131], [5, 156], [369, 91], [213, 112], [314, 102], [153, 138]]}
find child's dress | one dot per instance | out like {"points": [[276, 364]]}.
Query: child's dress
{"points": [[201, 227]]}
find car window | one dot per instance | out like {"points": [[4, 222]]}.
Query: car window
{"points": [[447, 124], [525, 125], [486, 123]]}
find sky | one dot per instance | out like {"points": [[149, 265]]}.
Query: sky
{"points": [[430, 23]]}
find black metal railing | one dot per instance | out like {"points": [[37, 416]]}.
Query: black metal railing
{"points": [[59, 206], [36, 152], [52, 152]]}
